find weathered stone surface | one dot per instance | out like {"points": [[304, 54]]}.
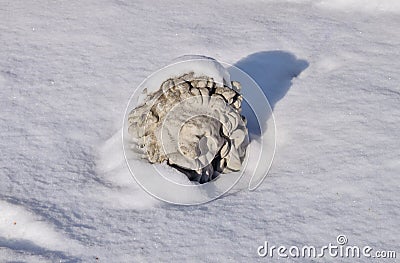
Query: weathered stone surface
{"points": [[194, 124]]}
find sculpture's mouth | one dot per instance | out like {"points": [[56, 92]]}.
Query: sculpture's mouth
{"points": [[194, 124]]}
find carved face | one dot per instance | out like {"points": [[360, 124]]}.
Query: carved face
{"points": [[193, 124], [200, 136]]}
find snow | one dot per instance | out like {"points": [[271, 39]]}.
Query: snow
{"points": [[364, 6], [30, 233], [67, 70], [200, 65]]}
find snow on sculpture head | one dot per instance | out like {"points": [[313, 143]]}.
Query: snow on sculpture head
{"points": [[191, 119]]}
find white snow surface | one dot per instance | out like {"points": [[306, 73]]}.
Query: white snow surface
{"points": [[330, 70], [198, 64]]}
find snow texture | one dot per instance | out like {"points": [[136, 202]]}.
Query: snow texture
{"points": [[330, 70]]}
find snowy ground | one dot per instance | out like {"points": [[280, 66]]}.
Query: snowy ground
{"points": [[68, 68]]}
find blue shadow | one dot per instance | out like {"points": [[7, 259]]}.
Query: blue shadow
{"points": [[273, 71]]}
